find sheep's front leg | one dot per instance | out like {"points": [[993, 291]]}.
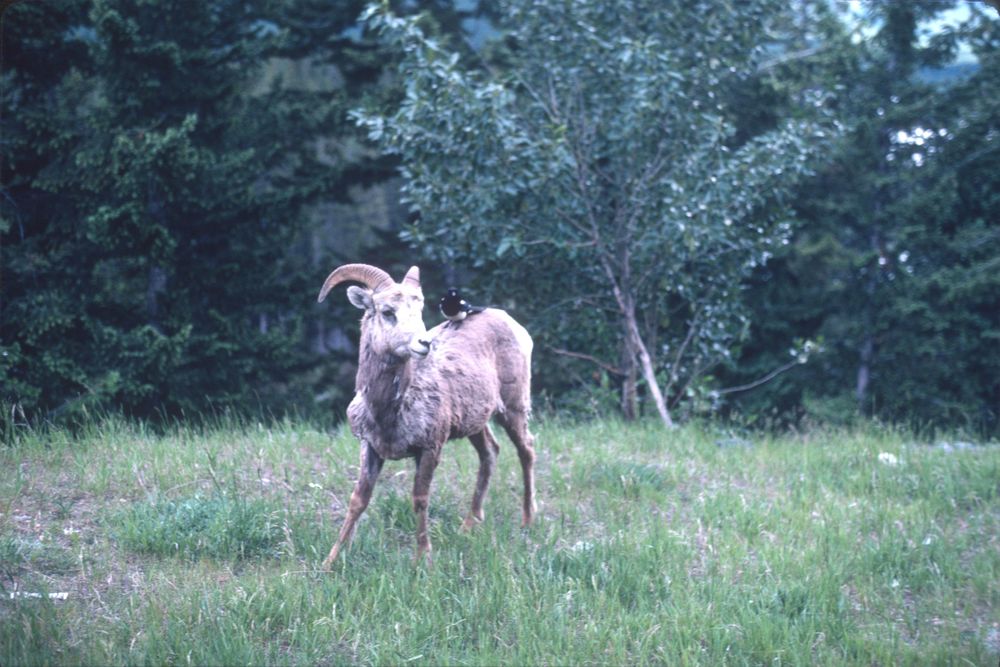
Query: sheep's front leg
{"points": [[426, 464], [371, 465]]}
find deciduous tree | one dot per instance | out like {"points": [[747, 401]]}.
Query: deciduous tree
{"points": [[597, 153]]}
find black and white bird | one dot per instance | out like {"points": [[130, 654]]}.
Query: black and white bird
{"points": [[455, 308]]}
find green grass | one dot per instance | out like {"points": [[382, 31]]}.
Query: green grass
{"points": [[221, 526], [200, 546]]}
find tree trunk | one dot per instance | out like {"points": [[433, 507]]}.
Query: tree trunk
{"points": [[648, 373], [156, 284], [626, 305], [630, 380], [867, 352], [864, 372]]}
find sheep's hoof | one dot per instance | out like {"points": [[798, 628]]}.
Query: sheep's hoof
{"points": [[471, 521], [328, 563]]}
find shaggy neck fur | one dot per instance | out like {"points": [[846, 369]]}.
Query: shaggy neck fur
{"points": [[383, 380]]}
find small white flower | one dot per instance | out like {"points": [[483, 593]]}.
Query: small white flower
{"points": [[888, 459]]}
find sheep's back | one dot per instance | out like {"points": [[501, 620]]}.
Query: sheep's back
{"points": [[484, 365]]}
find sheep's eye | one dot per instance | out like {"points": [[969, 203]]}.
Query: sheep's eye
{"points": [[389, 314]]}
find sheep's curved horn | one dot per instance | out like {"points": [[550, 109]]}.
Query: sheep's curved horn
{"points": [[371, 276], [412, 277]]}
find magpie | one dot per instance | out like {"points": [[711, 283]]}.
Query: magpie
{"points": [[455, 308]]}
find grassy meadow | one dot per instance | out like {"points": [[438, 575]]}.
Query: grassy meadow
{"points": [[119, 545]]}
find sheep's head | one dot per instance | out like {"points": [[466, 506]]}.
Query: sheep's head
{"points": [[393, 322]]}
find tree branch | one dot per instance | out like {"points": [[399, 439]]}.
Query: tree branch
{"points": [[789, 57], [593, 300], [586, 357], [693, 326], [756, 383]]}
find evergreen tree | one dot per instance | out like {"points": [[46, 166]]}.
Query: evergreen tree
{"points": [[152, 273], [165, 171], [888, 267], [48, 78]]}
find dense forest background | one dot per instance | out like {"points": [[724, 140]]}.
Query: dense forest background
{"points": [[797, 204]]}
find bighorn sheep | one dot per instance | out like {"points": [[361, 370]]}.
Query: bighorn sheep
{"points": [[416, 389]]}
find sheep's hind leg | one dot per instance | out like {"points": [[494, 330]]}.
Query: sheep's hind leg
{"points": [[516, 425], [487, 448], [371, 465], [426, 464]]}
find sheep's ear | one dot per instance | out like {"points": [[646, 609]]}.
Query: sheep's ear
{"points": [[360, 297]]}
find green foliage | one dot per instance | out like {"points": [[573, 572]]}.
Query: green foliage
{"points": [[156, 186], [168, 172], [135, 240], [599, 167], [177, 177], [893, 266]]}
